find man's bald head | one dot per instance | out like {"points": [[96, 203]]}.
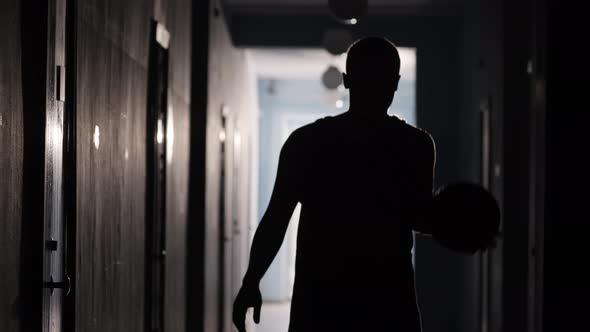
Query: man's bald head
{"points": [[372, 55], [372, 73]]}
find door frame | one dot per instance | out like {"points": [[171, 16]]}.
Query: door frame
{"points": [[155, 204], [69, 164]]}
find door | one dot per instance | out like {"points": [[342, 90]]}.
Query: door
{"points": [[56, 280]]}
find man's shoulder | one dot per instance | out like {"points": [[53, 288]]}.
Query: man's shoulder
{"points": [[306, 132], [418, 138], [299, 139], [302, 133]]}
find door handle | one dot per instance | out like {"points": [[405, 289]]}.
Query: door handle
{"points": [[51, 285]]}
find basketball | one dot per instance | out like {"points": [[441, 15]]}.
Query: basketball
{"points": [[465, 217]]}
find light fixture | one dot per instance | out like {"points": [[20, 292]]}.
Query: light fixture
{"points": [[332, 78], [339, 103], [337, 41], [348, 10]]}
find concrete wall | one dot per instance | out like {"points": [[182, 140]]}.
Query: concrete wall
{"points": [[482, 70], [565, 203], [231, 84]]}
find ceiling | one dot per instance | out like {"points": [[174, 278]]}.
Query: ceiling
{"points": [[310, 63], [293, 63], [320, 2], [375, 6]]}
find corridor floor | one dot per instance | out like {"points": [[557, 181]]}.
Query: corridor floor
{"points": [[274, 317]]}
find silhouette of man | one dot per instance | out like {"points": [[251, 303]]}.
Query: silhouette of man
{"points": [[364, 179]]}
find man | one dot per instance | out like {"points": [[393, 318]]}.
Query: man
{"points": [[364, 180]]}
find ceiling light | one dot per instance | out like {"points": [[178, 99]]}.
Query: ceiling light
{"points": [[347, 10], [332, 78]]}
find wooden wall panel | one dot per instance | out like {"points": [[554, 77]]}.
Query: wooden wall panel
{"points": [[111, 117], [113, 41], [123, 23], [11, 163]]}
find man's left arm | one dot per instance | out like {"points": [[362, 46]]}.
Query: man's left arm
{"points": [[422, 220]]}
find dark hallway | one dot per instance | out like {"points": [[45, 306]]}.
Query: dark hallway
{"points": [[140, 143]]}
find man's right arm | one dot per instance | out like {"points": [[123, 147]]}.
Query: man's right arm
{"points": [[270, 232]]}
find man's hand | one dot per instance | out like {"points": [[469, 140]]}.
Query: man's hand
{"points": [[248, 296]]}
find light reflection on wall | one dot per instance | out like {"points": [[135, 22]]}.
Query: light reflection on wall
{"points": [[56, 135], [170, 135], [96, 137], [160, 132]]}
